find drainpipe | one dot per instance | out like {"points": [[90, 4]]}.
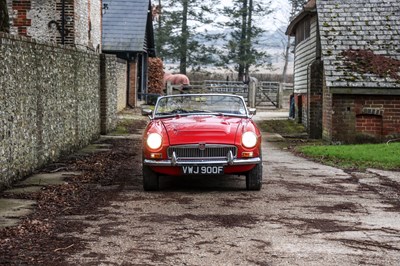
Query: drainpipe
{"points": [[128, 70], [308, 96], [128, 83], [63, 22]]}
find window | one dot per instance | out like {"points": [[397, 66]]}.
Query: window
{"points": [[303, 30]]}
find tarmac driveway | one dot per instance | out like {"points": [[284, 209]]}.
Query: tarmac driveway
{"points": [[305, 214]]}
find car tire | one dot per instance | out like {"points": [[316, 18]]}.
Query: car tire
{"points": [[254, 178], [150, 179]]}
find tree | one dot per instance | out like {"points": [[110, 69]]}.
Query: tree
{"points": [[297, 6], [4, 19], [243, 35], [178, 37]]}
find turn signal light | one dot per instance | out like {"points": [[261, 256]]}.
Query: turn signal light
{"points": [[247, 154], [156, 155]]}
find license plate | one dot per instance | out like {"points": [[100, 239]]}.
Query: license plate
{"points": [[203, 170]]}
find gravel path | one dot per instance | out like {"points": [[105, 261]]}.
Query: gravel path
{"points": [[305, 214]]}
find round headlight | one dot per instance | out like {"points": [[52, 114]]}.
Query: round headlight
{"points": [[249, 139], [154, 141]]}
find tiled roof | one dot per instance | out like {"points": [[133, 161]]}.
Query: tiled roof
{"points": [[124, 25], [308, 9], [310, 5], [372, 25]]}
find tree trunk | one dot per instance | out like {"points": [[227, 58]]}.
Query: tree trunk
{"points": [[184, 38], [159, 18], [242, 44], [249, 40], [158, 42], [4, 19], [287, 50]]}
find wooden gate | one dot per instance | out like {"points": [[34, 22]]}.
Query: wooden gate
{"points": [[267, 94], [270, 94]]}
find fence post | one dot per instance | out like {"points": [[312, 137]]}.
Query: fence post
{"points": [[252, 92], [169, 88], [280, 96]]}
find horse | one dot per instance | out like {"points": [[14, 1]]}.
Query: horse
{"points": [[176, 79]]}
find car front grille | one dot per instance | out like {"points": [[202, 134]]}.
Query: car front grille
{"points": [[202, 151]]}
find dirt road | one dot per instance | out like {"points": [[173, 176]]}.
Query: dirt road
{"points": [[305, 214]]}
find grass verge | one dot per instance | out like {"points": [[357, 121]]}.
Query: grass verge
{"points": [[283, 127], [382, 156], [361, 156]]}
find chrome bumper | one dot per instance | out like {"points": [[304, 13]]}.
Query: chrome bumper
{"points": [[224, 162]]}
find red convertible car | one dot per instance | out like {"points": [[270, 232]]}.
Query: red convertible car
{"points": [[201, 134]]}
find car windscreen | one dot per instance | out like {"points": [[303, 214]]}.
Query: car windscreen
{"points": [[200, 104]]}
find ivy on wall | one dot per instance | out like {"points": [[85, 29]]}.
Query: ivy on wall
{"points": [[367, 62]]}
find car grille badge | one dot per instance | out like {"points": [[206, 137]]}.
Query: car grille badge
{"points": [[202, 146]]}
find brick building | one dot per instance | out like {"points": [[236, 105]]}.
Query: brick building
{"points": [[346, 71], [71, 22]]}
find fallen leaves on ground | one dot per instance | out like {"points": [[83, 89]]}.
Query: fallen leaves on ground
{"points": [[42, 237]]}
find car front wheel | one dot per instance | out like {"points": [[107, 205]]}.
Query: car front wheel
{"points": [[254, 178], [150, 179]]}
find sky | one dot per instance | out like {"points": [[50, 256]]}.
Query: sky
{"points": [[279, 16]]}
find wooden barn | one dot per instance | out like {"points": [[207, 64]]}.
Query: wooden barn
{"points": [[347, 69]]}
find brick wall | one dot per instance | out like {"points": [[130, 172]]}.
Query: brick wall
{"points": [[343, 118], [20, 18], [365, 118], [50, 103], [369, 125], [132, 83], [42, 20], [69, 21], [315, 100], [301, 111]]}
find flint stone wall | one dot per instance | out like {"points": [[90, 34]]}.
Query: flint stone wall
{"points": [[121, 73], [109, 92], [49, 103]]}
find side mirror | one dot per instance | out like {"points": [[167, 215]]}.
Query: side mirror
{"points": [[147, 112], [252, 111]]}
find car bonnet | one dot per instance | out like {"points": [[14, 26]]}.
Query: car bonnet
{"points": [[202, 128]]}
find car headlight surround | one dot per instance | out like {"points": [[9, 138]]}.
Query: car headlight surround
{"points": [[154, 141], [249, 139]]}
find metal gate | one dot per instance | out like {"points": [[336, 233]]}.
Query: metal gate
{"points": [[264, 94], [231, 87], [212, 86]]}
